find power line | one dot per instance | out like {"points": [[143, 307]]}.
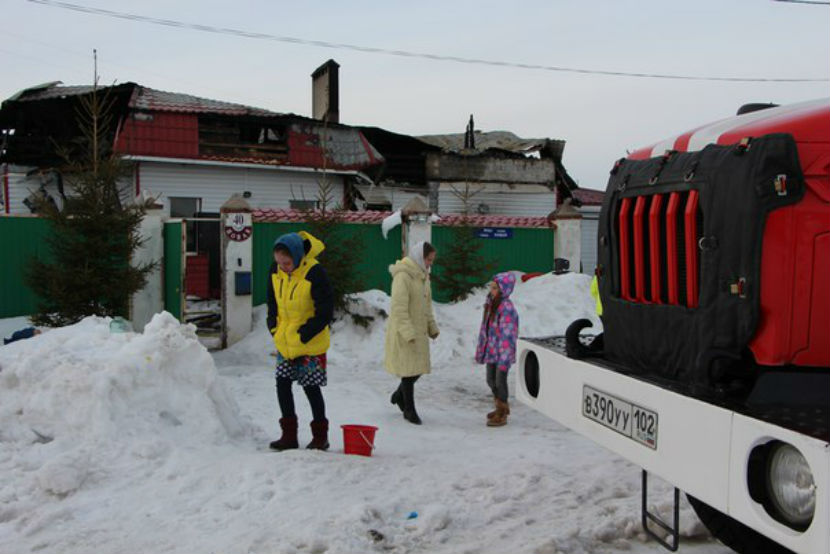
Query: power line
{"points": [[402, 53], [814, 2], [108, 62]]}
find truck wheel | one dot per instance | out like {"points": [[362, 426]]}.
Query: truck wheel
{"points": [[733, 533]]}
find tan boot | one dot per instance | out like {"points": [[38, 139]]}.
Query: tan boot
{"points": [[492, 414], [500, 419]]}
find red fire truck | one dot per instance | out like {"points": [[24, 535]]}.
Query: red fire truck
{"points": [[712, 370]]}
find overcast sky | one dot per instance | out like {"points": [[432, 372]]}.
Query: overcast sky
{"points": [[599, 116]]}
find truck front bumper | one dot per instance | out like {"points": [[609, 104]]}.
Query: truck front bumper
{"points": [[700, 448]]}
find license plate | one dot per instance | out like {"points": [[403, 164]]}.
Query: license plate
{"points": [[626, 418]]}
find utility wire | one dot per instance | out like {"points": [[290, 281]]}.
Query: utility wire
{"points": [[813, 2], [402, 53]]}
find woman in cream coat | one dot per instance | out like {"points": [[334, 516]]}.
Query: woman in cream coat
{"points": [[410, 326]]}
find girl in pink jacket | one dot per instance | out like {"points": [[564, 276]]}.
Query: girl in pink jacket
{"points": [[497, 343]]}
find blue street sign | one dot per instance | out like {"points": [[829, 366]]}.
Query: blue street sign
{"points": [[494, 233]]}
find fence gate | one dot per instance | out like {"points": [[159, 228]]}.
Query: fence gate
{"points": [[174, 264], [192, 280]]}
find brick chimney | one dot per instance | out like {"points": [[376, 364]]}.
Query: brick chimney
{"points": [[325, 92]]}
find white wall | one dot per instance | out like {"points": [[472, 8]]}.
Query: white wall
{"points": [[269, 187], [150, 300], [238, 256], [19, 187], [590, 227], [398, 197], [507, 202], [566, 241]]}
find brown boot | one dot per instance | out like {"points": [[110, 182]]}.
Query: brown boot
{"points": [[320, 434], [500, 419], [288, 440], [492, 414]]}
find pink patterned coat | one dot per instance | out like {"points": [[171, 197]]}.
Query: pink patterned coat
{"points": [[497, 337]]}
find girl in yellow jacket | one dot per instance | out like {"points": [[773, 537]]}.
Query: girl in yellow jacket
{"points": [[410, 323], [300, 307]]}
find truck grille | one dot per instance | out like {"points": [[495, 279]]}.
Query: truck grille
{"points": [[658, 248]]}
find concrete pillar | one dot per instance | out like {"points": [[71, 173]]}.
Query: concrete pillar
{"points": [[567, 239], [237, 263], [149, 301], [416, 225]]}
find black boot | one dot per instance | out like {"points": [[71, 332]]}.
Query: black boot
{"points": [[408, 395], [320, 434], [288, 440], [397, 398]]}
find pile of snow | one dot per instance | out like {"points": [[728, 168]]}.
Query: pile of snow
{"points": [[115, 443], [75, 398]]}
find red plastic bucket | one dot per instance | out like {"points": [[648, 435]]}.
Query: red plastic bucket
{"points": [[359, 439]]}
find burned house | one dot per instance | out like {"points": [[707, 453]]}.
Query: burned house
{"points": [[475, 173], [191, 153]]}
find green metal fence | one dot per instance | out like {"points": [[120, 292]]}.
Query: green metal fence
{"points": [[372, 262], [525, 249], [21, 238], [173, 268]]}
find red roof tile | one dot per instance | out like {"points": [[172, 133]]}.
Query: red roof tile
{"points": [[493, 221], [589, 197], [276, 214], [144, 98], [452, 220]]}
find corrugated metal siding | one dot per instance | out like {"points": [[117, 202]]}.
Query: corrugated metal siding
{"points": [[270, 188], [501, 203], [590, 227], [19, 189], [164, 134], [400, 198], [21, 238], [529, 250], [315, 145]]}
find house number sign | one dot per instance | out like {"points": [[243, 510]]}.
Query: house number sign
{"points": [[238, 227]]}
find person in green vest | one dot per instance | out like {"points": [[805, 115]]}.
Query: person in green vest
{"points": [[300, 308]]}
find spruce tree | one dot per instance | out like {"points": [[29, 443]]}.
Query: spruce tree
{"points": [[460, 267], [343, 250], [88, 271]]}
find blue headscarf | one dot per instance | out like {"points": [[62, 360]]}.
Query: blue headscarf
{"points": [[294, 243]]}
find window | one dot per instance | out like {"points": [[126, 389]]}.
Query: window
{"points": [[187, 208], [304, 204], [184, 207]]}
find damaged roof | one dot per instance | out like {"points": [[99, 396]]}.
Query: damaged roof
{"points": [[144, 98], [161, 124], [588, 197], [498, 140]]}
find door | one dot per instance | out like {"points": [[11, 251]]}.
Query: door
{"points": [[174, 255]]}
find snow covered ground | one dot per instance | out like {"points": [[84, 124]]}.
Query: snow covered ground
{"points": [[146, 443]]}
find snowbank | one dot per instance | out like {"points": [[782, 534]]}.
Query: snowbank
{"points": [[114, 443], [78, 402]]}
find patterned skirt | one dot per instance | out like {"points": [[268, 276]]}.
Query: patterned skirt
{"points": [[305, 370]]}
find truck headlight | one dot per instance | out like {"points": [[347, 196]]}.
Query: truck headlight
{"points": [[790, 485]]}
